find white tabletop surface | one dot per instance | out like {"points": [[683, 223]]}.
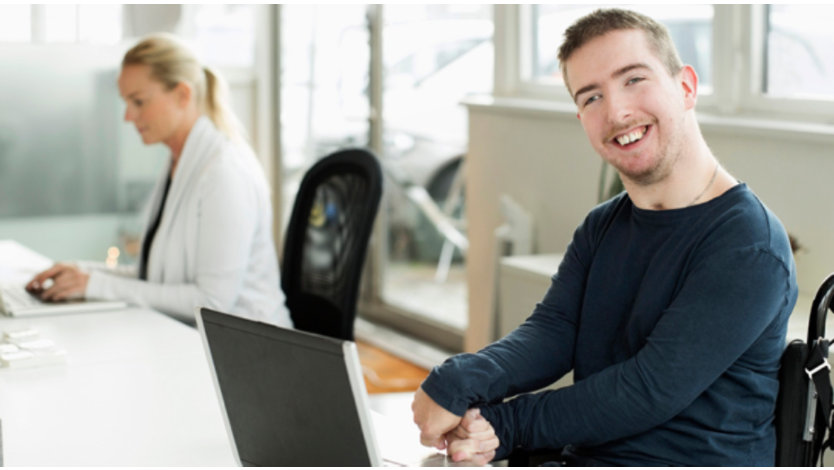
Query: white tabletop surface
{"points": [[135, 391]]}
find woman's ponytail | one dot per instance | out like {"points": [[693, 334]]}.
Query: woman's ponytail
{"points": [[217, 106]]}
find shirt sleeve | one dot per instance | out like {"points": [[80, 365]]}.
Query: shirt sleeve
{"points": [[726, 304], [123, 270], [537, 353]]}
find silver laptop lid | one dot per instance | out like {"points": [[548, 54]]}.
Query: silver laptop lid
{"points": [[289, 398]]}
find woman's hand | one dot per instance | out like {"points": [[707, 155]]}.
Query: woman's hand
{"points": [[60, 282], [473, 440]]}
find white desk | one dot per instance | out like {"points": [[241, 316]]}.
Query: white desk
{"points": [[135, 391]]}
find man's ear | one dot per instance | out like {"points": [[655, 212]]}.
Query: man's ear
{"points": [[689, 86]]}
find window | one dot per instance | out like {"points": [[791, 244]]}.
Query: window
{"points": [[324, 85], [434, 56], [59, 23], [100, 24], [222, 35], [55, 24], [799, 61], [15, 23]]}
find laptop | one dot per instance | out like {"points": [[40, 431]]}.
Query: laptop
{"points": [[292, 398], [15, 301]]}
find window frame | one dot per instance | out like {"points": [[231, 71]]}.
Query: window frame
{"points": [[755, 100]]}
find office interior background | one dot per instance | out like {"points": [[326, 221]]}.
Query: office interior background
{"points": [[463, 104]]}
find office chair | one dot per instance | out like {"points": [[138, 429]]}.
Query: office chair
{"points": [[327, 239], [803, 408]]}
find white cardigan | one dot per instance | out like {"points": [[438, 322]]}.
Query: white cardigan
{"points": [[214, 246]]}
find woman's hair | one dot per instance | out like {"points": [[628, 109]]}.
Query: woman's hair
{"points": [[171, 62]]}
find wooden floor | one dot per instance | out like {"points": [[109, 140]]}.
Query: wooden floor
{"points": [[386, 373]]}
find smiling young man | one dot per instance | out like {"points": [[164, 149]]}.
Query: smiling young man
{"points": [[670, 305]]}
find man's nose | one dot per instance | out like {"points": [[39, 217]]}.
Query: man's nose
{"points": [[620, 107]]}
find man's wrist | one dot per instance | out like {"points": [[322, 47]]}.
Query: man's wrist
{"points": [[444, 394], [505, 442]]}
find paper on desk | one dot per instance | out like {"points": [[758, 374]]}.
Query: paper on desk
{"points": [[25, 348]]}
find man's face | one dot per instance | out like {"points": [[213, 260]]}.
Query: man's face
{"points": [[631, 108]]}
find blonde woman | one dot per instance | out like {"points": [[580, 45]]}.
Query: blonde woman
{"points": [[208, 241]]}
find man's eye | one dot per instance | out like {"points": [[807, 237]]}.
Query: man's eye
{"points": [[138, 102], [634, 80], [591, 99]]}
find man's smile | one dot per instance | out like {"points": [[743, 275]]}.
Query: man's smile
{"points": [[631, 137]]}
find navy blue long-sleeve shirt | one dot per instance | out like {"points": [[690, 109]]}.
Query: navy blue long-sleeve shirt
{"points": [[673, 322]]}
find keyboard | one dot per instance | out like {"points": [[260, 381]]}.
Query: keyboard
{"points": [[16, 301], [15, 298]]}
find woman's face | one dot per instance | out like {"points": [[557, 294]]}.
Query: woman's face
{"points": [[157, 113]]}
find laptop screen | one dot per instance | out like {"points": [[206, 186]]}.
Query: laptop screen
{"points": [[288, 395]]}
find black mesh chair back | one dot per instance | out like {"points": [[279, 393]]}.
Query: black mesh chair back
{"points": [[326, 241]]}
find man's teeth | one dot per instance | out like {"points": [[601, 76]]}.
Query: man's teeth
{"points": [[633, 136]]}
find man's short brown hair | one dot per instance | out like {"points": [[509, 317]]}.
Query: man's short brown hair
{"points": [[604, 21]]}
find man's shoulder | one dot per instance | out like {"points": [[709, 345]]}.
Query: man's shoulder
{"points": [[746, 213], [599, 219], [744, 222]]}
